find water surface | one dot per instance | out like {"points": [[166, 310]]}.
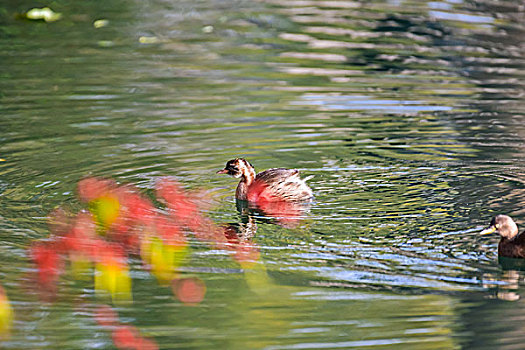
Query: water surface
{"points": [[410, 116]]}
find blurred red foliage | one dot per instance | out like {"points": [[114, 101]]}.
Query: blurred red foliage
{"points": [[46, 257], [106, 316], [190, 291], [128, 338], [120, 223]]}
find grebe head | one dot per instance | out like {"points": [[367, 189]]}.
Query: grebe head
{"points": [[504, 225], [237, 168]]}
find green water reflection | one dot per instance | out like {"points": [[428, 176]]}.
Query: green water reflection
{"points": [[408, 114]]}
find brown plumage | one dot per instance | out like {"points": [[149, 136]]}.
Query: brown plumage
{"points": [[512, 243], [275, 184]]}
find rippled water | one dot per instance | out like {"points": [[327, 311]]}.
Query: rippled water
{"points": [[409, 114]]}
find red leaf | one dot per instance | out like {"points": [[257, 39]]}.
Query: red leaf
{"points": [[91, 188], [124, 337], [189, 290], [105, 316]]}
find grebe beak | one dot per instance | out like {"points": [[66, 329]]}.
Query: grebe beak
{"points": [[488, 230], [223, 171]]}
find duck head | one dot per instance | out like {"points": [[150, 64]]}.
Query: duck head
{"points": [[238, 167], [504, 225]]}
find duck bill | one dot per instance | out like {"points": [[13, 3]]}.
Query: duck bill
{"points": [[488, 230], [223, 171]]}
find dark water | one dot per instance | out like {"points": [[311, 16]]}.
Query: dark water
{"points": [[409, 114]]}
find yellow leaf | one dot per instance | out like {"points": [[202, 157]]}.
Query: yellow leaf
{"points": [[6, 315], [99, 23], [45, 13], [105, 209]]}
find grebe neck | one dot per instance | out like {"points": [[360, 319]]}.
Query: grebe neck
{"points": [[247, 170], [247, 178]]}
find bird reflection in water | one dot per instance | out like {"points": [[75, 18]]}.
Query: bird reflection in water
{"points": [[506, 285], [240, 236], [287, 214]]}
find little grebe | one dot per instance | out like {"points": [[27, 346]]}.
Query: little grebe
{"points": [[277, 184], [512, 243]]}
